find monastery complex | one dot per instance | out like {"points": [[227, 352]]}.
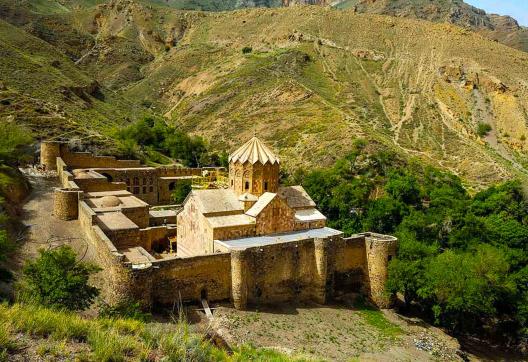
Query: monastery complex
{"points": [[247, 239]]}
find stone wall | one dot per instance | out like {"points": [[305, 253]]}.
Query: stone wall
{"points": [[157, 237], [169, 282], [194, 232], [138, 215], [87, 160], [276, 217], [116, 281]]}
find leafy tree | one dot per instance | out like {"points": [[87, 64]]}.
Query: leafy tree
{"points": [[384, 215], [462, 259], [180, 192], [56, 279]]}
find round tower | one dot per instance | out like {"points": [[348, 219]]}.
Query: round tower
{"points": [[253, 169], [66, 203], [49, 151], [380, 250]]}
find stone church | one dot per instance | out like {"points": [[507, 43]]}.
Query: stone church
{"points": [[253, 205]]}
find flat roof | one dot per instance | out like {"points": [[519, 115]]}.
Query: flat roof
{"points": [[127, 201], [175, 178], [115, 221], [107, 193], [241, 244], [162, 213]]}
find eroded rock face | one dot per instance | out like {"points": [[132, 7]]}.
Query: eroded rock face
{"points": [[305, 2]]}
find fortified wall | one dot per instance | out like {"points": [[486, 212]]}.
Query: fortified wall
{"points": [[283, 253]]}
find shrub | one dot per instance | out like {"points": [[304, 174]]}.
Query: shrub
{"points": [[56, 279], [247, 50], [483, 129], [180, 192], [127, 309]]}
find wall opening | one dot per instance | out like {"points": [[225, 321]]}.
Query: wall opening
{"points": [[203, 294], [265, 185], [172, 186], [246, 185], [108, 177]]}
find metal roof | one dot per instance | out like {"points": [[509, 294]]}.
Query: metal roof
{"points": [[241, 244]]}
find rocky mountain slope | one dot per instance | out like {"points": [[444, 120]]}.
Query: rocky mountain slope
{"points": [[314, 80], [503, 29]]}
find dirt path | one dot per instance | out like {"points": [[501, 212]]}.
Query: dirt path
{"points": [[43, 230]]}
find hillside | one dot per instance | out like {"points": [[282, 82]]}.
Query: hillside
{"points": [[503, 29], [318, 78], [42, 88], [314, 80]]}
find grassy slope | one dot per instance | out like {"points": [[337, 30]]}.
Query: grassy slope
{"points": [[66, 336], [350, 76], [45, 90]]}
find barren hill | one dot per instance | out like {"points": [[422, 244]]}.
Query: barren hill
{"points": [[503, 29], [311, 80]]}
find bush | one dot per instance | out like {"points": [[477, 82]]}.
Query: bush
{"points": [[127, 309], [144, 138], [483, 129], [180, 192], [56, 279], [247, 50]]}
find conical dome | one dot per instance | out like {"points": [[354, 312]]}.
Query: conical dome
{"points": [[254, 151]]}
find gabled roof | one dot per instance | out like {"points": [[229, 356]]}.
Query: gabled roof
{"points": [[262, 202], [217, 201], [254, 151], [296, 197]]}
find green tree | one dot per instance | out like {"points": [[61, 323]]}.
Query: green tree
{"points": [[56, 279]]}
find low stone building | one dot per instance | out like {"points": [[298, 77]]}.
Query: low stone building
{"points": [[252, 242]]}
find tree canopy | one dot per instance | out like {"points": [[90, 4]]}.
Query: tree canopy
{"points": [[462, 259]]}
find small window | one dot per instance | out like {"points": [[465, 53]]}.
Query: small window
{"points": [[232, 183], [144, 189], [247, 185], [265, 185], [136, 190], [151, 189]]}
